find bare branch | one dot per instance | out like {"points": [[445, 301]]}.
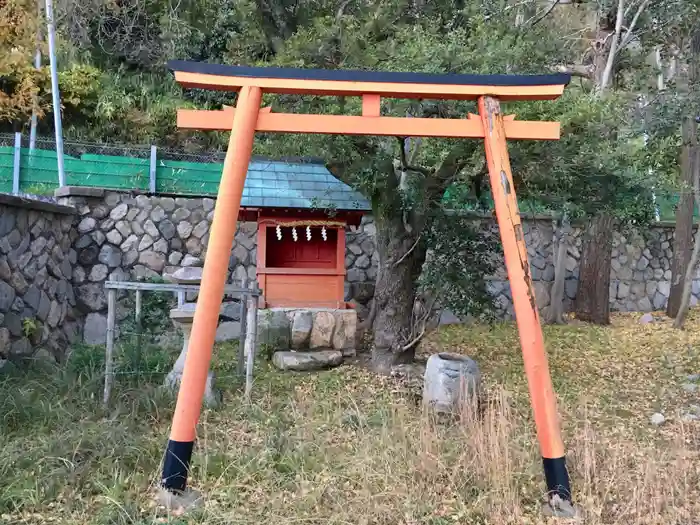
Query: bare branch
{"points": [[612, 53], [629, 35], [403, 257], [544, 15]]}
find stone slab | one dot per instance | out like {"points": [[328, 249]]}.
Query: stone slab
{"points": [[307, 361]]}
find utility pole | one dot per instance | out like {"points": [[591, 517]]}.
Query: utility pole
{"points": [[37, 65], [55, 95]]}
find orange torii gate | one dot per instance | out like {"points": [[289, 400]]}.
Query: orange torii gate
{"points": [[248, 117]]}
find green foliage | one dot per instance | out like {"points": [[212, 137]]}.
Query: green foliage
{"points": [[461, 255], [155, 311], [29, 327]]}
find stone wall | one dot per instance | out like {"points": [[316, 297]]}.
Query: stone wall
{"points": [[125, 236], [120, 236], [640, 278], [38, 317]]}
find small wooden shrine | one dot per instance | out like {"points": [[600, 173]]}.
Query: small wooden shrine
{"points": [[302, 212]]}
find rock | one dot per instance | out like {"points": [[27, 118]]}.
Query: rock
{"points": [[44, 307], [657, 419], [273, 330], [693, 377], [7, 296], [146, 242], [181, 214], [5, 271], [123, 228], [161, 246], [322, 330], [363, 262], [228, 331], [187, 275], [158, 214], [345, 330], [301, 328], [451, 381], [54, 316], [88, 255], [87, 225], [19, 283], [167, 229], [447, 317], [119, 212], [153, 260], [190, 260], [110, 255], [131, 242], [230, 311], [150, 228], [646, 319], [184, 229], [194, 246], [4, 342], [174, 258], [363, 292], [91, 297], [690, 388], [689, 418], [13, 323], [168, 203], [356, 275], [114, 237], [307, 361], [98, 273], [95, 329], [21, 348], [130, 258], [201, 228], [32, 297]]}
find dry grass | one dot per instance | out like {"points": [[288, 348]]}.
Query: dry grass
{"points": [[341, 447]]}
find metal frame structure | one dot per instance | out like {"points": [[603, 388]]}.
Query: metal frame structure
{"points": [[490, 125]]}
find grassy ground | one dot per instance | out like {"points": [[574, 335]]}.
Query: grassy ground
{"points": [[346, 447]]}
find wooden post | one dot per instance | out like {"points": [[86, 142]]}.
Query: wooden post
{"points": [[251, 339], [109, 351], [539, 381], [240, 365], [221, 237]]}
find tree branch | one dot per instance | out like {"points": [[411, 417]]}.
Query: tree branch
{"points": [[612, 52], [544, 15], [629, 34], [576, 70]]}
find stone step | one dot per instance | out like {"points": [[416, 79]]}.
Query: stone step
{"points": [[306, 361]]}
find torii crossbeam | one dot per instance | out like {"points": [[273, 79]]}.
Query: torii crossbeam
{"points": [[248, 117]]}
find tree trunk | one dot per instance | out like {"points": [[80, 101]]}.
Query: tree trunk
{"points": [[593, 297], [554, 313], [683, 236], [401, 258], [693, 262], [682, 242]]}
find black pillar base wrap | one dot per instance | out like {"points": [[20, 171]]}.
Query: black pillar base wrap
{"points": [[557, 477], [176, 465]]}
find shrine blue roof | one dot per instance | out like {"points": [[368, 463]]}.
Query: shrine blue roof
{"points": [[305, 185]]}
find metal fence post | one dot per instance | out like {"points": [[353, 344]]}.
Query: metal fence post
{"points": [[152, 171], [16, 166], [243, 313]]}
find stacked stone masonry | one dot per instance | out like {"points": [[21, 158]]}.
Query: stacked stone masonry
{"points": [[54, 259], [38, 314]]}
